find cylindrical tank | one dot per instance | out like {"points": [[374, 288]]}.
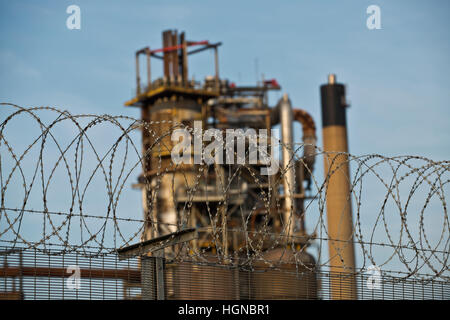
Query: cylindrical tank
{"points": [[161, 175]]}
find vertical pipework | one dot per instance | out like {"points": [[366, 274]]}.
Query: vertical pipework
{"points": [[149, 76], [184, 61], [174, 55], [146, 167], [286, 119], [138, 78], [216, 67], [338, 195], [166, 55]]}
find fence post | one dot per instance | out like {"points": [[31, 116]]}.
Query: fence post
{"points": [[152, 273], [160, 269]]}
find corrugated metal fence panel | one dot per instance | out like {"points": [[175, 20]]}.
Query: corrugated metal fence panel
{"points": [[32, 274]]}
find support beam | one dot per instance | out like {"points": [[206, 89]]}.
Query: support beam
{"points": [[125, 274], [157, 244]]}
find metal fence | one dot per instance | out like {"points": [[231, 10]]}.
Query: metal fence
{"points": [[66, 207], [32, 274]]}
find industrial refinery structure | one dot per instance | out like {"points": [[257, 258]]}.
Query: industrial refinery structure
{"points": [[220, 224], [273, 203]]}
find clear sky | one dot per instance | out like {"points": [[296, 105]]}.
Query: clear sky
{"points": [[397, 78]]}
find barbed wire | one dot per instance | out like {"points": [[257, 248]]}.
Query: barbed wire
{"points": [[85, 164]]}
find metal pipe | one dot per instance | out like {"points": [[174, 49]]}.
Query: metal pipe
{"points": [[309, 137], [184, 59], [125, 274], [331, 78], [216, 65], [179, 46], [286, 121], [149, 77], [338, 195], [166, 212], [138, 78], [309, 132]]}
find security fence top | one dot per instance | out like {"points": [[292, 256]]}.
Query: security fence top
{"points": [[157, 244]]}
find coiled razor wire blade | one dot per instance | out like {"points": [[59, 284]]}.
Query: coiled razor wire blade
{"points": [[406, 225]]}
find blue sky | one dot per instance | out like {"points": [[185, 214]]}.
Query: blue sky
{"points": [[396, 77]]}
